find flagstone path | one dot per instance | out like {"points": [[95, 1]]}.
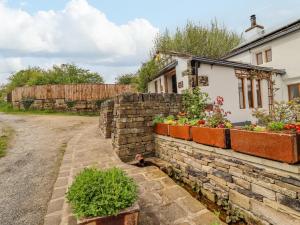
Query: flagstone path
{"points": [[161, 200]]}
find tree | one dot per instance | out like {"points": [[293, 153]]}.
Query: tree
{"points": [[211, 41], [63, 74], [207, 41], [127, 79], [146, 73]]}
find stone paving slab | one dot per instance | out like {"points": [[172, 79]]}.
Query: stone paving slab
{"points": [[161, 200]]}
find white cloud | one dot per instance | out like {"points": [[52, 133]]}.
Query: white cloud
{"points": [[79, 33]]}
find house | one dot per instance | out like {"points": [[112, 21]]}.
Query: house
{"points": [[278, 48], [262, 69]]}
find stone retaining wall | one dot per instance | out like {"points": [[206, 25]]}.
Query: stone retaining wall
{"points": [[264, 190], [61, 105], [132, 122], [106, 118]]}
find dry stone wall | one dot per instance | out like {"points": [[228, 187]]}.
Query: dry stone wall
{"points": [[268, 195], [61, 105], [132, 121], [106, 118]]}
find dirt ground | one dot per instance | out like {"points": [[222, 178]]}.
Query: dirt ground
{"points": [[29, 169]]}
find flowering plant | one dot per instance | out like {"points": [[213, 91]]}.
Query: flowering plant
{"points": [[217, 117]]}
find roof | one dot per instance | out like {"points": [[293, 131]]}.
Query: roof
{"points": [[227, 63], [265, 37], [220, 62]]}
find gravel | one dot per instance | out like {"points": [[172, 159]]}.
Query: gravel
{"points": [[29, 169]]}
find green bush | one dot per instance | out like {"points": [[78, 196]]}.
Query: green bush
{"points": [[27, 102], [70, 103], [101, 193]]}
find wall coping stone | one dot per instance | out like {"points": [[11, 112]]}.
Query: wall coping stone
{"points": [[268, 165]]}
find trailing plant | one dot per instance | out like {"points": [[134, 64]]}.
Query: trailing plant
{"points": [[27, 102], [101, 193], [70, 103], [233, 214], [195, 102], [217, 118]]}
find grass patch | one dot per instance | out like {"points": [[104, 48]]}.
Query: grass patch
{"points": [[8, 109], [6, 134]]}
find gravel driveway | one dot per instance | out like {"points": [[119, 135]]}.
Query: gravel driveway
{"points": [[28, 171]]}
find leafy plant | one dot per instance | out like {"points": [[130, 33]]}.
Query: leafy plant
{"points": [[158, 119], [99, 102], [195, 102], [285, 112], [217, 118], [276, 126], [101, 193], [27, 102], [182, 121], [70, 103]]}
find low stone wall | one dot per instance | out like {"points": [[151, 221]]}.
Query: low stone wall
{"points": [[132, 122], [265, 191], [61, 105], [106, 118]]}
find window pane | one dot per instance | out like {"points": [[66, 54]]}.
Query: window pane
{"points": [[294, 91], [269, 55], [241, 93], [258, 94], [259, 58], [250, 93]]}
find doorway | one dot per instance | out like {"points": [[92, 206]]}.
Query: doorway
{"points": [[174, 84]]}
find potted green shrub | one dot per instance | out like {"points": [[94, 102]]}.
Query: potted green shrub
{"points": [[106, 197], [214, 130], [161, 124], [275, 137]]}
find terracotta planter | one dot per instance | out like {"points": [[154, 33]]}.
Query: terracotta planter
{"points": [[276, 146], [162, 129], [181, 132], [217, 137], [128, 216]]}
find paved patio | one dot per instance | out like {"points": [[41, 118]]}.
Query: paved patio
{"points": [[161, 200]]}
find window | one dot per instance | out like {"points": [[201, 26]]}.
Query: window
{"points": [[268, 55], [259, 58], [258, 93], [294, 91], [155, 84], [250, 93], [241, 93]]}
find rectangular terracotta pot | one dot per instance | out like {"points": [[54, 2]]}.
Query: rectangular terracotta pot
{"points": [[217, 137], [181, 132], [128, 216], [276, 146], [162, 129]]}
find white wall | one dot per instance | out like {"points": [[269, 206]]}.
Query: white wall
{"points": [[223, 82], [285, 55], [182, 66], [151, 85]]}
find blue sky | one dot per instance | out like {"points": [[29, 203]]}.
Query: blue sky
{"points": [[106, 35]]}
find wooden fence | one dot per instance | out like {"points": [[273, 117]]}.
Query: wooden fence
{"points": [[74, 92]]}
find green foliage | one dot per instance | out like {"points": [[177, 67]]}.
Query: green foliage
{"points": [[284, 112], [63, 74], [195, 102], [5, 137], [27, 102], [127, 79], [208, 41], [183, 121], [148, 70], [99, 102], [70, 103], [276, 126], [158, 119], [101, 193]]}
